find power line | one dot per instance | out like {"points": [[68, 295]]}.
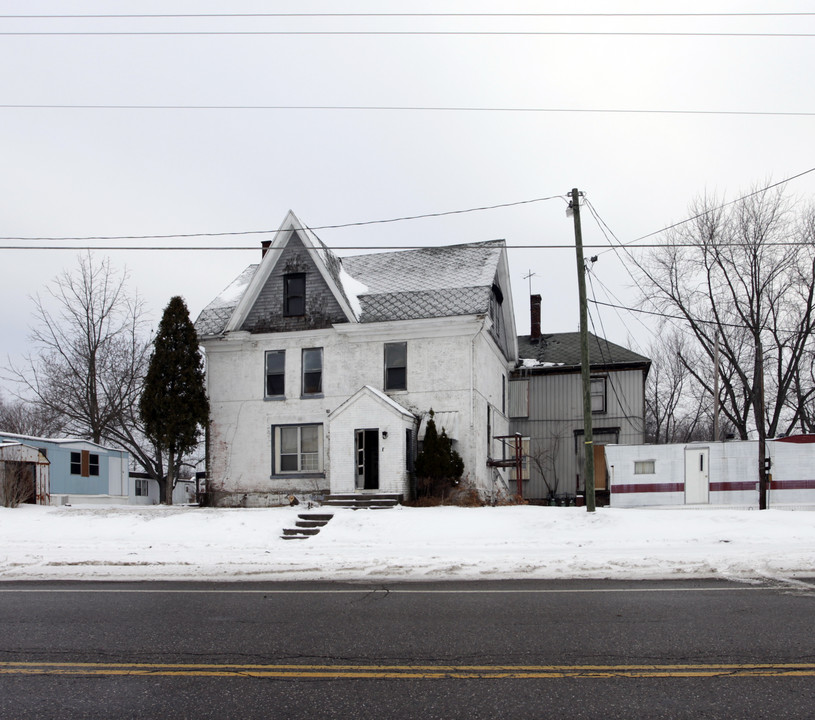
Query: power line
{"points": [[533, 246], [629, 244], [601, 223], [306, 228], [414, 108], [612, 296], [387, 33], [411, 15]]}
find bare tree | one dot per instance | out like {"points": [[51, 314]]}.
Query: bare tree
{"points": [[90, 359], [17, 483], [26, 418], [742, 275], [668, 415], [543, 457]]}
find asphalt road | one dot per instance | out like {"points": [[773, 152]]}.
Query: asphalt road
{"points": [[700, 649]]}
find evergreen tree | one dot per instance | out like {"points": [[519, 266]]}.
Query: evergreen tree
{"points": [[174, 405], [437, 465]]}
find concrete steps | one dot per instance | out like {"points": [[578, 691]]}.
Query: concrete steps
{"points": [[308, 524], [357, 501]]}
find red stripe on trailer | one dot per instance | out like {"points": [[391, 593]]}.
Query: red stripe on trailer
{"points": [[648, 487]]}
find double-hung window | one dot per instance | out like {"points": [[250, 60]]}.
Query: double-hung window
{"points": [[598, 395], [298, 448], [294, 294], [276, 373], [312, 371], [396, 366]]}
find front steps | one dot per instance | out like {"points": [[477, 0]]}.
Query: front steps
{"points": [[357, 501], [309, 524]]}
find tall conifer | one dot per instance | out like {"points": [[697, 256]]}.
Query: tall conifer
{"points": [[174, 404]]}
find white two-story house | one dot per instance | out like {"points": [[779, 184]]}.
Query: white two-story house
{"points": [[321, 371]]}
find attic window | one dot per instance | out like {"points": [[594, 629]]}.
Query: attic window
{"points": [[496, 291], [294, 294], [496, 300]]}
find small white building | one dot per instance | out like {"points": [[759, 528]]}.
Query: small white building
{"points": [[715, 473], [321, 369]]}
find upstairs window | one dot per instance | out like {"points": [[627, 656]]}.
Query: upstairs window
{"points": [[275, 373], [294, 294], [396, 366], [313, 371], [598, 395]]}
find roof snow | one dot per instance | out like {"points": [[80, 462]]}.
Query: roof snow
{"points": [[403, 285]]}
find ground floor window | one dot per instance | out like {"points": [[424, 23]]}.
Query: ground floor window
{"points": [[298, 448], [644, 467], [142, 488], [85, 463]]}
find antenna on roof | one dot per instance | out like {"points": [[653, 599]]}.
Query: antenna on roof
{"points": [[529, 277]]}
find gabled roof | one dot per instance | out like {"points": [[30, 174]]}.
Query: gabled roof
{"points": [[379, 396], [409, 284], [561, 351], [324, 260]]}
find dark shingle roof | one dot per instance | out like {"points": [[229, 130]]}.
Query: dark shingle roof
{"points": [[563, 349], [409, 284]]}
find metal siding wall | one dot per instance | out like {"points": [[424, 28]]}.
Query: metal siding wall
{"points": [[519, 398], [556, 409]]}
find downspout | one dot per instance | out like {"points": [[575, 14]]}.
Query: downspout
{"points": [[472, 398]]}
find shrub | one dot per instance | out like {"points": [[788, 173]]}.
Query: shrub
{"points": [[438, 466]]}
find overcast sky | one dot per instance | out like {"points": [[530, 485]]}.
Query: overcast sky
{"points": [[71, 172]]}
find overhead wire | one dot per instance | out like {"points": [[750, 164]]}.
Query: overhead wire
{"points": [[411, 15], [407, 33], [412, 108], [335, 226], [711, 210], [603, 339]]}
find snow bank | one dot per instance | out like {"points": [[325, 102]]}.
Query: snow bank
{"points": [[181, 543]]}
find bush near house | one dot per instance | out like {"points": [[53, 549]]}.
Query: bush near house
{"points": [[438, 466]]}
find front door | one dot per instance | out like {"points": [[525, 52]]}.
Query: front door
{"points": [[367, 456], [697, 476]]}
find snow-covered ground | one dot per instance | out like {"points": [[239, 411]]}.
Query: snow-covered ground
{"points": [[183, 543]]}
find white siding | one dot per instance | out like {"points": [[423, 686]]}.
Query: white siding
{"points": [[453, 365]]}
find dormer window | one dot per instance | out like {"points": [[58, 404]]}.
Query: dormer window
{"points": [[294, 294]]}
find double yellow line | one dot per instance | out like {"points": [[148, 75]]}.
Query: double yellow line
{"points": [[413, 672]]}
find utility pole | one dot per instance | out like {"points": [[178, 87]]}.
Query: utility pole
{"points": [[588, 443], [716, 387], [758, 404]]}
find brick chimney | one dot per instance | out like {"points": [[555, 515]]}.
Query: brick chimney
{"points": [[535, 317], [264, 247]]}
